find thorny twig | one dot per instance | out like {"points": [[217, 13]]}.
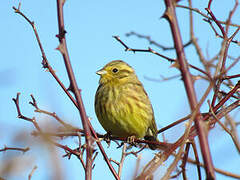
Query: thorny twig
{"points": [[74, 88], [53, 114], [142, 50], [50, 69], [33, 120], [6, 148], [20, 116], [150, 50]]}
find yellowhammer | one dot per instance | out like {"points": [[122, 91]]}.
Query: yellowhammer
{"points": [[122, 105]]}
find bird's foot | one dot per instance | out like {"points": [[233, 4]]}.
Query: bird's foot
{"points": [[107, 139], [131, 140]]}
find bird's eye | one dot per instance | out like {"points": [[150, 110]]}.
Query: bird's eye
{"points": [[115, 70]]}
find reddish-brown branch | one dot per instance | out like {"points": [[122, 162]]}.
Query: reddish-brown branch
{"points": [[20, 116], [208, 9], [142, 50], [53, 114], [96, 136], [174, 123], [216, 33], [44, 135], [234, 138], [228, 21], [221, 113], [120, 166], [222, 70], [231, 77], [161, 145], [197, 159], [196, 44], [31, 173], [70, 151], [184, 161], [235, 61], [225, 47], [34, 103], [207, 117], [149, 50], [224, 94], [170, 15], [176, 175], [15, 149], [44, 62], [204, 15], [74, 88], [226, 97]]}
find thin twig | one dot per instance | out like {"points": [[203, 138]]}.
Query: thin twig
{"points": [[202, 14], [52, 114], [20, 116], [184, 161], [174, 123], [6, 148], [150, 50], [31, 173], [120, 165], [137, 166], [197, 159], [149, 39]]}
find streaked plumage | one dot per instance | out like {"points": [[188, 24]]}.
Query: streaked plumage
{"points": [[122, 105]]}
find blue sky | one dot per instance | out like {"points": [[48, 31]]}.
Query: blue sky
{"points": [[90, 26]]}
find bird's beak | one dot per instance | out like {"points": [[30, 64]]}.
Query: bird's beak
{"points": [[101, 72]]}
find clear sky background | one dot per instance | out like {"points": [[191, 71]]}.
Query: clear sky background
{"points": [[90, 26]]}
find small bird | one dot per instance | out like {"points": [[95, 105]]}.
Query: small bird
{"points": [[122, 105]]}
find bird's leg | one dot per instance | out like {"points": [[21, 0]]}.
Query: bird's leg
{"points": [[131, 140], [106, 138]]}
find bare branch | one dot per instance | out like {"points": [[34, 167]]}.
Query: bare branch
{"points": [[74, 88], [149, 50], [31, 173], [202, 14], [148, 38], [6, 148]]}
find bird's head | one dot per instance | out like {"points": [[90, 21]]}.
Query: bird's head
{"points": [[116, 72]]}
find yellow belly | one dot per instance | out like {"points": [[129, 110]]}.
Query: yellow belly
{"points": [[124, 115], [124, 126]]}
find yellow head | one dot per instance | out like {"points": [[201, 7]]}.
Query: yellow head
{"points": [[116, 72]]}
